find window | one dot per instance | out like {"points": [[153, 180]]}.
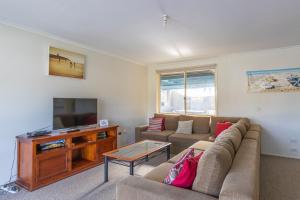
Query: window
{"points": [[190, 92]]}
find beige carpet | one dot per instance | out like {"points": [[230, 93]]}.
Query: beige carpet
{"points": [[280, 180], [87, 185]]}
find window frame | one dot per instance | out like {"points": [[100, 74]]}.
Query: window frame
{"points": [[184, 71]]}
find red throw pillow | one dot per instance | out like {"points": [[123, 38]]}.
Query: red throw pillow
{"points": [[221, 126], [175, 170], [156, 124], [188, 173]]}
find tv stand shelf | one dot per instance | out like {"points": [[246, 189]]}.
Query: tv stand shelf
{"points": [[82, 150], [82, 144]]}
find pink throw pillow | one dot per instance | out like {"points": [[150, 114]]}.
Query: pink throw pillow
{"points": [[188, 173], [156, 124], [221, 126], [175, 170]]}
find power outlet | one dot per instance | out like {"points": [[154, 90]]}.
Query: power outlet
{"points": [[293, 150], [293, 141], [11, 188]]}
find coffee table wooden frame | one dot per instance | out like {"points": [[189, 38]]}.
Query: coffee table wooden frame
{"points": [[136, 160]]}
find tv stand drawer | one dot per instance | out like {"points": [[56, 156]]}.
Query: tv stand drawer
{"points": [[49, 166]]}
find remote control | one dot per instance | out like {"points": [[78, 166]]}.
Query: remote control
{"points": [[38, 133]]}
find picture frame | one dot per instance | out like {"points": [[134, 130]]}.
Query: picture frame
{"points": [[66, 63], [103, 122], [275, 80]]}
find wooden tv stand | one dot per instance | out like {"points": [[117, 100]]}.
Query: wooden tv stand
{"points": [[83, 150]]}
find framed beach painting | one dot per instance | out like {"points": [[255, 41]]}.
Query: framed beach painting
{"points": [[66, 63], [277, 80]]}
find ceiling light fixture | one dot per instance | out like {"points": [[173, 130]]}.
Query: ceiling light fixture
{"points": [[172, 52], [165, 20], [175, 51], [184, 51]]}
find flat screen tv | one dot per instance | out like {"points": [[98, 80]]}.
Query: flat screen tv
{"points": [[74, 112]]}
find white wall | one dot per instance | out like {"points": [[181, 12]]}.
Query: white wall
{"points": [[27, 91], [278, 113]]}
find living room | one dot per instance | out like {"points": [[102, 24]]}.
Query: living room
{"points": [[141, 63]]}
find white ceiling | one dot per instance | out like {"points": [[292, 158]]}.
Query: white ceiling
{"points": [[133, 29]]}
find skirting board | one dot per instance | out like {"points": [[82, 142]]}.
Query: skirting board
{"points": [[280, 155]]}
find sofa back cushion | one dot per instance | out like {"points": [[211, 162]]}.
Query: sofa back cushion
{"points": [[215, 119], [233, 135], [227, 145], [171, 121], [212, 170], [241, 126], [246, 121], [200, 123]]}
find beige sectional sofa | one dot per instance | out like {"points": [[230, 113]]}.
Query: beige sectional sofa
{"points": [[239, 151], [203, 128]]}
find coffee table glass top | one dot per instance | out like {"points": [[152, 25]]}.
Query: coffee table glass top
{"points": [[137, 150]]}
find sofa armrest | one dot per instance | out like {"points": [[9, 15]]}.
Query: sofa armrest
{"points": [[255, 127], [138, 131], [242, 181], [138, 188]]}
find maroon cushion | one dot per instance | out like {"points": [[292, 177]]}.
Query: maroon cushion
{"points": [[221, 126], [156, 124], [175, 170], [188, 173]]}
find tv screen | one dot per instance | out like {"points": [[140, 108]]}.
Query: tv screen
{"points": [[74, 112]]}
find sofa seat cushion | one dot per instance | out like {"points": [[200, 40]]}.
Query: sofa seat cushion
{"points": [[202, 145], [200, 123], [160, 172], [157, 135], [178, 156], [187, 139]]}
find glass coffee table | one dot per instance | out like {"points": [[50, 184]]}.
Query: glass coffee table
{"points": [[135, 154]]}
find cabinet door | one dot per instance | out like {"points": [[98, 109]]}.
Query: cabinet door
{"points": [[51, 165], [105, 146]]}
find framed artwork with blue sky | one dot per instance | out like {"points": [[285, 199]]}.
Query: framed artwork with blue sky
{"points": [[275, 80]]}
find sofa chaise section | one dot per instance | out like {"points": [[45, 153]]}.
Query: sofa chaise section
{"points": [[138, 188], [240, 183]]}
